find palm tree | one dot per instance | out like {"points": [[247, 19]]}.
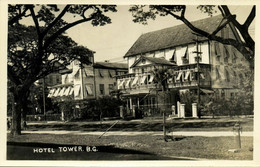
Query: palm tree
{"points": [[160, 78]]}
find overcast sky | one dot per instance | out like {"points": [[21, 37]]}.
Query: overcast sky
{"points": [[112, 41]]}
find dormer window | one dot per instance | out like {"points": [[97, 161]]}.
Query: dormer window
{"points": [[143, 61]]}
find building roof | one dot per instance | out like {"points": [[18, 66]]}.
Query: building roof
{"points": [[172, 36], [108, 65], [154, 60]]}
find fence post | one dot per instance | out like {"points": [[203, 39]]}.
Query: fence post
{"points": [[182, 111], [194, 110]]}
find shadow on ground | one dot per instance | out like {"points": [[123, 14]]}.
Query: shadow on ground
{"points": [[135, 126], [43, 151]]}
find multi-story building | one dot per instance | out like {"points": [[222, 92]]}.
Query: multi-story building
{"points": [[86, 82], [195, 63]]}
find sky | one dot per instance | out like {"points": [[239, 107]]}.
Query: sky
{"points": [[112, 41]]}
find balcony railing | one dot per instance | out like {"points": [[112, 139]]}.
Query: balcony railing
{"points": [[181, 77]]}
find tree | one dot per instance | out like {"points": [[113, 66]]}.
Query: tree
{"points": [[142, 13], [160, 78], [34, 51]]}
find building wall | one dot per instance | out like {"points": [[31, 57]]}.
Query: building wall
{"points": [[105, 81]]}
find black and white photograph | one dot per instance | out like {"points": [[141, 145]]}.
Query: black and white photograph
{"points": [[129, 82]]}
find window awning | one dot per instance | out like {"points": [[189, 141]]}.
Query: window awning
{"points": [[202, 76], [112, 73], [226, 52], [151, 79], [89, 72], [185, 53], [75, 71], [143, 79], [179, 76], [77, 90], [56, 92], [135, 81], [187, 75], [89, 90], [67, 91], [51, 93], [121, 83], [127, 85], [71, 91], [61, 93], [217, 50], [100, 73]]}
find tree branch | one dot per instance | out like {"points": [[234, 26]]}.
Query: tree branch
{"points": [[250, 18], [17, 17], [35, 20], [52, 24], [62, 30]]}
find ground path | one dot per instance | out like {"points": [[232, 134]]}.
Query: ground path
{"points": [[133, 133]]}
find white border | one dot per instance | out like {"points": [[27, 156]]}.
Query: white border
{"points": [[3, 85]]}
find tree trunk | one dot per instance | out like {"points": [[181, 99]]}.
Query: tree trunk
{"points": [[16, 120], [19, 103]]}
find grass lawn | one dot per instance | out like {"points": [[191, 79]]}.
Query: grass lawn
{"points": [[193, 147]]}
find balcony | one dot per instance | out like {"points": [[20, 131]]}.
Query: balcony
{"points": [[185, 76]]}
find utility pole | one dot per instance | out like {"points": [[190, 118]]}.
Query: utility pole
{"points": [[198, 57], [43, 96]]}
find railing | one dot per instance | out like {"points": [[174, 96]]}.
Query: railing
{"points": [[181, 77]]}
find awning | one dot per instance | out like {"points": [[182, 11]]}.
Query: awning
{"points": [[135, 81], [121, 83], [71, 91], [202, 76], [185, 53], [226, 52], [151, 79], [89, 90], [75, 71], [89, 72], [51, 93], [143, 79], [112, 73], [187, 75], [127, 85], [61, 93], [217, 50], [67, 91], [77, 90], [56, 93], [179, 76], [207, 91], [100, 73]]}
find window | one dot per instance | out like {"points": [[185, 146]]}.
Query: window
{"points": [[89, 89], [110, 86], [142, 70], [101, 89]]}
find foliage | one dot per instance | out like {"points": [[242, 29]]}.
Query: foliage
{"points": [[67, 107], [142, 13], [242, 103], [103, 107], [34, 51]]}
